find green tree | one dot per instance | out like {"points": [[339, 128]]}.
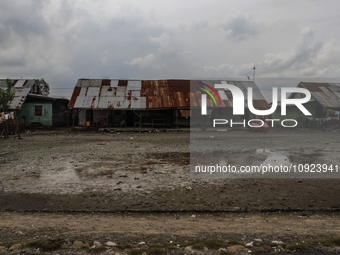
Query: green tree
{"points": [[6, 95], [44, 86]]}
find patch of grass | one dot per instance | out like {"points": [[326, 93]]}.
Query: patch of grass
{"points": [[124, 246], [172, 247], [275, 244], [33, 243], [236, 242], [170, 244], [331, 241], [307, 244], [214, 244], [137, 251], [226, 253], [198, 246], [187, 244], [98, 249], [156, 251], [258, 252], [155, 245], [48, 245]]}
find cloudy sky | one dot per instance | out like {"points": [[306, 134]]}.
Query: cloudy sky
{"points": [[63, 40]]}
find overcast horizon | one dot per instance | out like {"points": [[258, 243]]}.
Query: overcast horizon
{"points": [[62, 41]]}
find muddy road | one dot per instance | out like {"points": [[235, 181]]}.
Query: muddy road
{"points": [[61, 170], [130, 187]]}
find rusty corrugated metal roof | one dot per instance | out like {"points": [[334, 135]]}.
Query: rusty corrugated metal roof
{"points": [[21, 87], [152, 94], [327, 94]]}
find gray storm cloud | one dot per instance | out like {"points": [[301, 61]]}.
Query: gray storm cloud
{"points": [[66, 40]]}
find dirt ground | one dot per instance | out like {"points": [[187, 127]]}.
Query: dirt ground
{"points": [[131, 186]]}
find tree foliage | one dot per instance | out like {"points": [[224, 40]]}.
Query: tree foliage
{"points": [[44, 86], [6, 95]]}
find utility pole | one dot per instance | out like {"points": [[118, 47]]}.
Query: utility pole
{"points": [[254, 74]]}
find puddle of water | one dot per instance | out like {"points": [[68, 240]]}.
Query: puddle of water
{"points": [[224, 160], [124, 175], [258, 151], [277, 159]]}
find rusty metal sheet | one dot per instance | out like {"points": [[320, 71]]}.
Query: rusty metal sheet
{"points": [[226, 95], [328, 95], [222, 95], [105, 94], [138, 103], [134, 85], [335, 87], [121, 91], [153, 94], [19, 83], [114, 83], [79, 83], [95, 83], [313, 86], [74, 97], [17, 102], [84, 83], [79, 101], [179, 85], [21, 87], [122, 83], [155, 88], [106, 82], [135, 93], [182, 99], [260, 104], [121, 103]]}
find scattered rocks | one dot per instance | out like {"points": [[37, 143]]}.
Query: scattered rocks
{"points": [[257, 242], [80, 245], [277, 242], [281, 248], [96, 244], [66, 245], [111, 244], [234, 248], [15, 247], [268, 249], [256, 249], [188, 248]]}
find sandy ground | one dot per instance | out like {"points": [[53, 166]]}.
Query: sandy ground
{"points": [[54, 174], [166, 227]]}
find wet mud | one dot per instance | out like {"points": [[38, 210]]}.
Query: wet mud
{"points": [[83, 171]]}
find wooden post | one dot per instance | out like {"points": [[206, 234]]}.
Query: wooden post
{"points": [[140, 119], [68, 118], [17, 124], [203, 124], [176, 116], [73, 116], [6, 129]]}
